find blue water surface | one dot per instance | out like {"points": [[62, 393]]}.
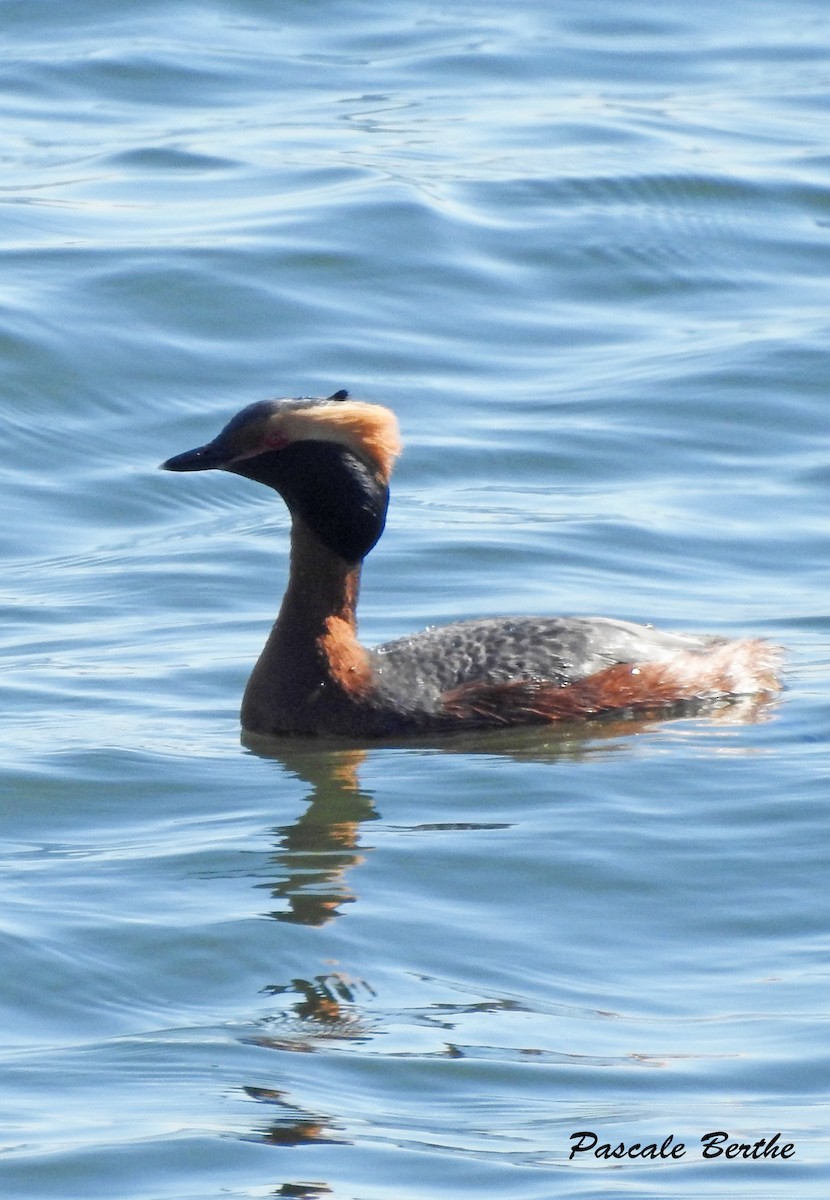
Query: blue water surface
{"points": [[583, 251]]}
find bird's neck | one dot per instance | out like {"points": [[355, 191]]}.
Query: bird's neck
{"points": [[312, 662], [320, 585]]}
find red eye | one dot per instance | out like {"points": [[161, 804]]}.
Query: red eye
{"points": [[276, 441]]}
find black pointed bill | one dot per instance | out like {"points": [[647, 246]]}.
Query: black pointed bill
{"points": [[205, 458]]}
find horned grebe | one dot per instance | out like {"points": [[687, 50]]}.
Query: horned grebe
{"points": [[331, 461]]}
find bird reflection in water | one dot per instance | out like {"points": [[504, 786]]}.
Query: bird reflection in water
{"points": [[312, 859], [325, 1011], [292, 1130], [317, 850]]}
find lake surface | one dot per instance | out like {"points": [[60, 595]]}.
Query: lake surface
{"points": [[583, 250]]}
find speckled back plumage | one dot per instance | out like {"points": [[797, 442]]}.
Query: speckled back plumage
{"points": [[415, 672]]}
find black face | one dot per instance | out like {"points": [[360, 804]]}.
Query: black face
{"points": [[334, 492]]}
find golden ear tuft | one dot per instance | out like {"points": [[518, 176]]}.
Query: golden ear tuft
{"points": [[368, 430]]}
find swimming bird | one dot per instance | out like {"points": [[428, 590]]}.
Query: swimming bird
{"points": [[331, 461]]}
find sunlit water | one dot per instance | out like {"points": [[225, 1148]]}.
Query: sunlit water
{"points": [[582, 250]]}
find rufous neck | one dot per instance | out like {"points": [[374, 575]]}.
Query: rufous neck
{"points": [[320, 584], [312, 665]]}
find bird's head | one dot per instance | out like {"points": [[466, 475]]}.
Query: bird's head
{"points": [[330, 460]]}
